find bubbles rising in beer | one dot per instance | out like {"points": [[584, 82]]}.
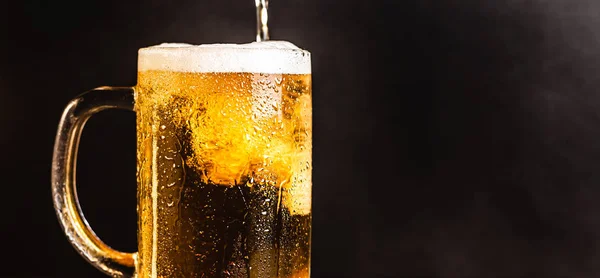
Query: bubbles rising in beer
{"points": [[233, 166]]}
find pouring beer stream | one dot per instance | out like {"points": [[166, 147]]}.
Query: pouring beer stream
{"points": [[262, 18]]}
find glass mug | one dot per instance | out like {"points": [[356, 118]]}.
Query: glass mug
{"points": [[224, 161]]}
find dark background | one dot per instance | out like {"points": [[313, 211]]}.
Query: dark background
{"points": [[451, 138]]}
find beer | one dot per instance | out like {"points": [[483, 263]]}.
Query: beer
{"points": [[224, 161]]}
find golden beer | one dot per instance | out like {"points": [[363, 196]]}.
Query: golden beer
{"points": [[224, 161]]}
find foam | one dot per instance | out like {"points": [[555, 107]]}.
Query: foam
{"points": [[255, 57]]}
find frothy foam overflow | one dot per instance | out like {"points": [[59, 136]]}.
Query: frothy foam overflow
{"points": [[255, 57]]}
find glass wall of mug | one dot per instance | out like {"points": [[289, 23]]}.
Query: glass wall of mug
{"points": [[224, 159]]}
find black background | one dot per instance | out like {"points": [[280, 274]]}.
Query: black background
{"points": [[451, 138]]}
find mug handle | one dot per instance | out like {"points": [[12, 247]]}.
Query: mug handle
{"points": [[64, 195]]}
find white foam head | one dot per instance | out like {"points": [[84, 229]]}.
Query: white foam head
{"points": [[255, 57]]}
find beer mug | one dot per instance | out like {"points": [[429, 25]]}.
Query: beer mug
{"points": [[224, 161]]}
